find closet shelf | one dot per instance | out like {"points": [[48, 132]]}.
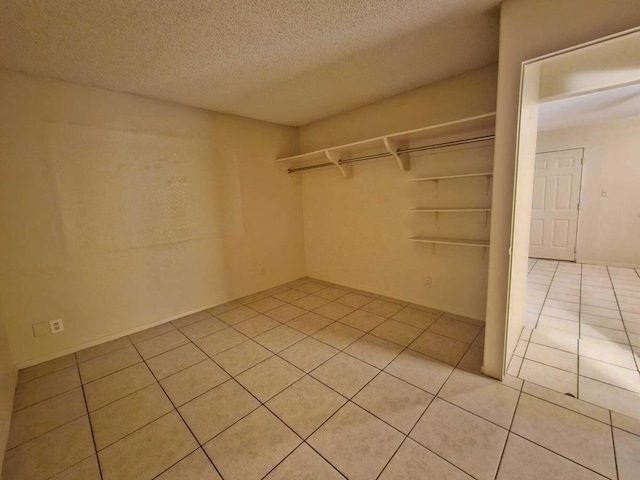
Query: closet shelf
{"points": [[451, 241], [396, 145], [448, 177]]}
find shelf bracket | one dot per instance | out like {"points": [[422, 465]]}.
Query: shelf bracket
{"points": [[404, 163], [335, 157]]}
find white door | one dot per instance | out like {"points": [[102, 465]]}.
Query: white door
{"points": [[554, 210]]}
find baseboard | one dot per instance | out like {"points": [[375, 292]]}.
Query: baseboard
{"points": [[609, 264], [5, 415]]}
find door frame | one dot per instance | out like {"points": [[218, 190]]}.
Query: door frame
{"points": [[575, 245], [523, 181]]}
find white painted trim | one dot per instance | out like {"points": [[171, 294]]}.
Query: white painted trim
{"points": [[5, 417], [607, 264]]}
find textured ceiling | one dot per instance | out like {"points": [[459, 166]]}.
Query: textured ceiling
{"points": [[285, 61]]}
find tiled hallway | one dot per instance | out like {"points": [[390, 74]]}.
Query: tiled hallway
{"points": [[582, 333], [305, 381]]}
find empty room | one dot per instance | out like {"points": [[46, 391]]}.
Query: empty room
{"points": [[270, 239]]}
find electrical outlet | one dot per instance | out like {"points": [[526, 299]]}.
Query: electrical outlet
{"points": [[427, 282], [40, 329], [56, 326]]}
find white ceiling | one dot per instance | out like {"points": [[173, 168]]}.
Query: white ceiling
{"points": [[593, 108], [285, 61]]}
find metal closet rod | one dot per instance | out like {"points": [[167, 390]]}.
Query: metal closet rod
{"points": [[399, 151]]}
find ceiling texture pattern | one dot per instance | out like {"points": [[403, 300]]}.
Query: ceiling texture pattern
{"points": [[286, 61]]}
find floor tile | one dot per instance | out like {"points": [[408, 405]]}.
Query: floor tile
{"points": [[285, 313], [455, 329], [225, 307], [345, 374], [627, 447], [220, 341], [242, 357], [122, 417], [356, 443], [610, 396], [51, 453], [252, 447], [553, 338], [332, 293], [193, 381], [44, 387], [338, 335], [394, 401], [254, 297], [311, 287], [609, 352], [469, 442], [203, 328], [218, 409], [269, 378], [485, 397], [609, 373], [362, 320], [290, 295], [310, 302], [571, 403], [626, 423], [397, 332], [574, 436], [605, 322], [304, 464], [355, 300], [46, 368], [195, 466], [550, 377], [374, 350], [115, 386], [191, 319], [413, 461], [237, 315], [308, 354], [87, 469], [42, 417], [279, 338], [256, 325], [148, 451], [561, 313], [266, 304], [381, 307], [334, 310], [603, 333], [525, 460], [569, 326], [109, 363], [309, 323], [472, 360], [305, 405], [415, 317], [441, 348], [160, 344], [175, 360], [98, 350], [601, 312], [552, 357], [151, 332], [423, 372]]}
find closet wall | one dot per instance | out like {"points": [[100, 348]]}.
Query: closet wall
{"points": [[356, 229], [120, 212]]}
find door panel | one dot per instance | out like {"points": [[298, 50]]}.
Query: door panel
{"points": [[554, 212]]}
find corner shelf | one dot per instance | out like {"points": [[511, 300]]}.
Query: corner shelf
{"points": [[451, 241], [395, 145], [449, 210], [449, 177]]}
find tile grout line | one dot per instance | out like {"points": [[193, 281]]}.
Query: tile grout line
{"points": [[613, 443], [635, 359]]}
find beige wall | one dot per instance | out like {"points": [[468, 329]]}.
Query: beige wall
{"points": [[528, 30], [609, 227], [356, 229], [8, 378], [119, 212]]}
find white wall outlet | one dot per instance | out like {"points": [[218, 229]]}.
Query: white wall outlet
{"points": [[427, 282], [40, 329], [603, 193], [56, 326]]}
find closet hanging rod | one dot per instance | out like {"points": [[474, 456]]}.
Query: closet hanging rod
{"points": [[399, 151]]}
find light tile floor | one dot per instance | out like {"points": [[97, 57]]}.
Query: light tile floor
{"points": [[582, 333], [305, 381]]}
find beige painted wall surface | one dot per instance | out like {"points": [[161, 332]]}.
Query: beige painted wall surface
{"points": [[528, 30], [119, 212], [356, 229], [609, 227], [8, 378]]}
